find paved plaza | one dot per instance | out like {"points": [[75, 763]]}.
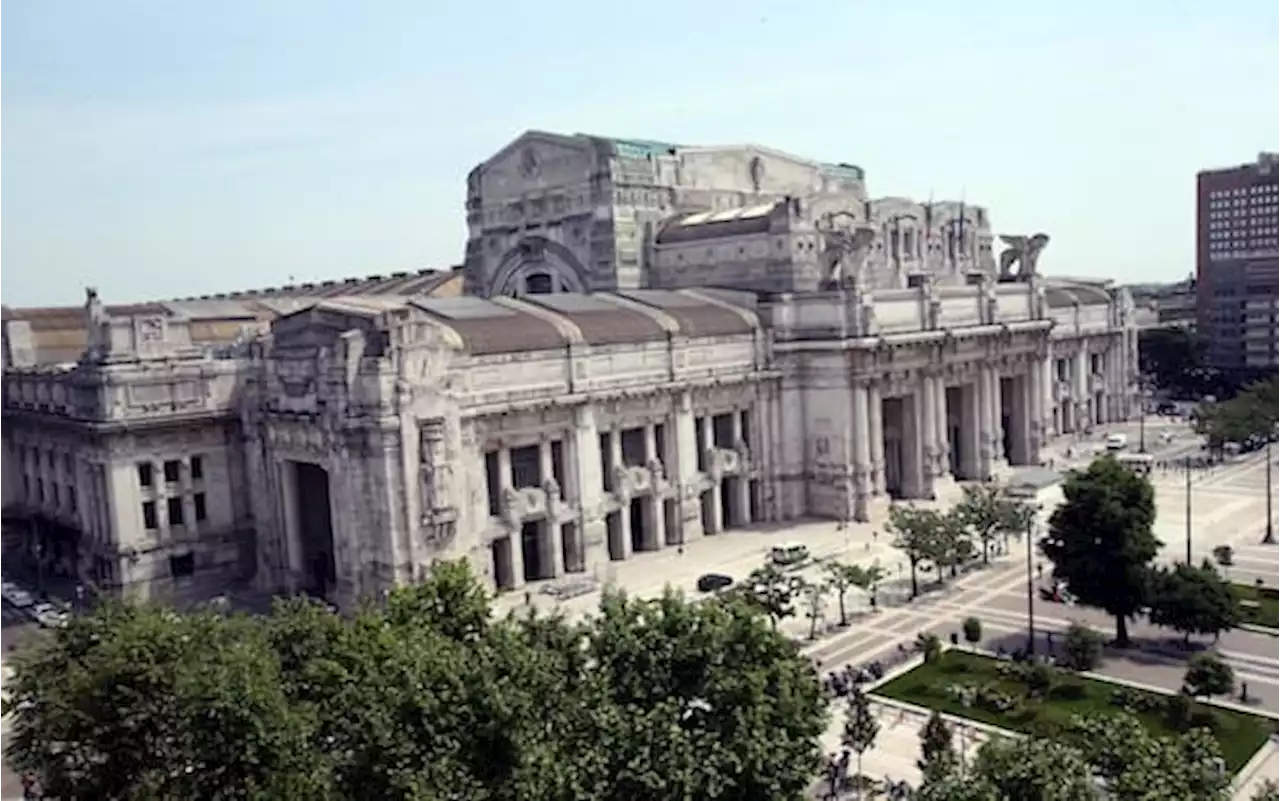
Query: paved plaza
{"points": [[1228, 507]]}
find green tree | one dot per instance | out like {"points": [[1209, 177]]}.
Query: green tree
{"points": [[1174, 358], [860, 726], [452, 603], [991, 513], [774, 592], [1137, 766], [938, 757], [917, 532], [654, 698], [1193, 600], [814, 595], [1250, 414], [951, 544], [1100, 539], [1037, 768], [1081, 647], [1207, 674], [930, 646], [137, 702], [972, 630], [841, 578]]}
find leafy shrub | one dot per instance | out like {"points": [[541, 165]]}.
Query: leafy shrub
{"points": [[1081, 648], [972, 630], [1178, 710]]}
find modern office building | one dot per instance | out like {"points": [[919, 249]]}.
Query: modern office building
{"points": [[1236, 268]]}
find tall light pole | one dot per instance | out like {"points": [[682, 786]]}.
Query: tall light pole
{"points": [[1142, 415], [1031, 590], [1187, 466], [1270, 537]]}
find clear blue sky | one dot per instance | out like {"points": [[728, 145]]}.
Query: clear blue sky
{"points": [[171, 148]]}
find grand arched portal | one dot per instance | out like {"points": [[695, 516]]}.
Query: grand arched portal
{"points": [[538, 266]]}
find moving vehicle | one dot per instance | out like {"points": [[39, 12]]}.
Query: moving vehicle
{"points": [[1117, 442], [1140, 463], [710, 582], [789, 553]]}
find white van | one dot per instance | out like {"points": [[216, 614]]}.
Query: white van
{"points": [[1117, 442], [788, 553], [1140, 463]]}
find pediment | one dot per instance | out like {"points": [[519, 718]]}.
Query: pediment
{"points": [[749, 168], [315, 327], [535, 159]]}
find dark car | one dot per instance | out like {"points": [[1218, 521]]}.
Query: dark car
{"points": [[710, 582]]}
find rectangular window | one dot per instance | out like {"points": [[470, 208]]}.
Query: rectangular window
{"points": [[149, 521], [175, 511], [71, 499], [201, 511], [182, 566], [146, 475], [40, 489], [197, 468], [172, 470]]}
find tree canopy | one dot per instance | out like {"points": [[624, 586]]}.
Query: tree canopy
{"points": [[428, 697], [1173, 358], [1115, 749], [1193, 600], [1250, 414], [1101, 542]]}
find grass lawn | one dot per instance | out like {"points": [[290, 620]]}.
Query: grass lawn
{"points": [[1260, 606], [1240, 734]]}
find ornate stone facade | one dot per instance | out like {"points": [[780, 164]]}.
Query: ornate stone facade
{"points": [[350, 441]]}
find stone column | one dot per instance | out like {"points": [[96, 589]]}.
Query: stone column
{"points": [[517, 559], [742, 484], [875, 408], [986, 425], [1035, 400], [706, 441], [861, 451], [655, 520], [927, 413], [615, 447], [590, 488], [942, 448], [997, 417], [504, 469], [686, 477], [1080, 391], [546, 471], [1047, 393], [158, 485]]}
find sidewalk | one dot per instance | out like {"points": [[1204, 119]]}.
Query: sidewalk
{"points": [[1263, 766]]}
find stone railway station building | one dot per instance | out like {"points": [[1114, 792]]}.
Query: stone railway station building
{"points": [[647, 344]]}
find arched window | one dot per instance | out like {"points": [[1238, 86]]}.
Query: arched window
{"points": [[538, 284]]}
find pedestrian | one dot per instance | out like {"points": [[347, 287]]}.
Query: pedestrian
{"points": [[1048, 635], [1039, 569]]}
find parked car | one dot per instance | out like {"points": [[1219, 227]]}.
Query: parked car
{"points": [[1117, 442], [711, 582], [18, 597], [49, 616]]}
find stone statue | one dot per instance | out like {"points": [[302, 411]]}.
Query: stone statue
{"points": [[1023, 252], [845, 250]]}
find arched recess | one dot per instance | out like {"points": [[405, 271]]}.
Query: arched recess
{"points": [[539, 263]]}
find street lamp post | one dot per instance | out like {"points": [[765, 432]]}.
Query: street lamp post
{"points": [[1270, 537], [1187, 466], [1142, 415], [1031, 590]]}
